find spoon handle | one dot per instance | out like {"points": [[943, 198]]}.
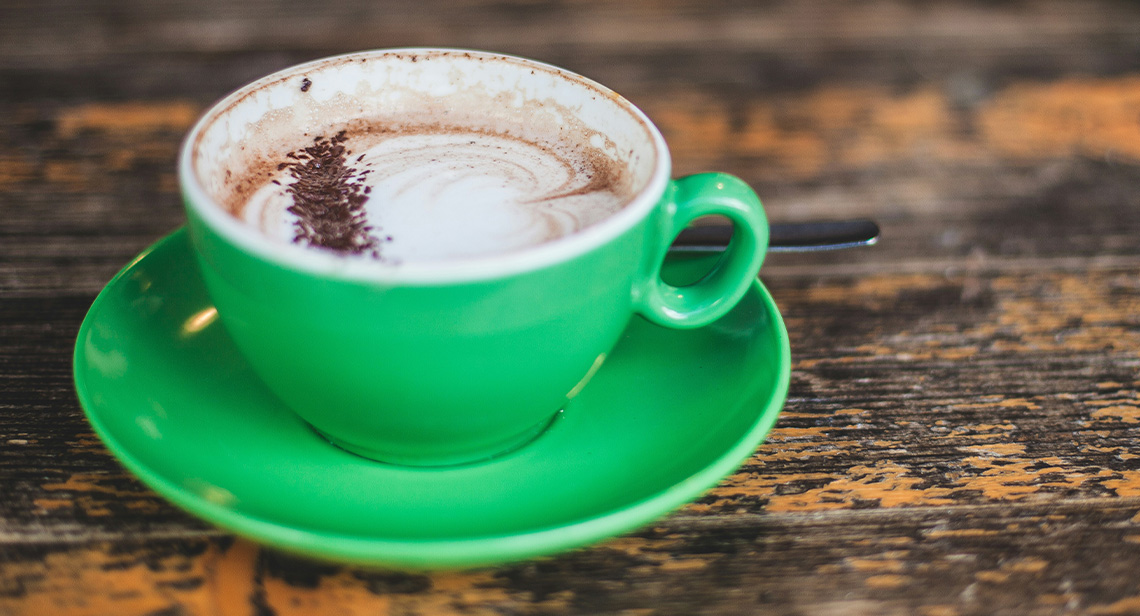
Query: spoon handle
{"points": [[786, 237]]}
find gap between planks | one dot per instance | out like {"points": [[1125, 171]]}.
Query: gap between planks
{"points": [[898, 513], [677, 520], [954, 266]]}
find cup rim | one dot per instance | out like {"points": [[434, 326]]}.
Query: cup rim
{"points": [[328, 265]]}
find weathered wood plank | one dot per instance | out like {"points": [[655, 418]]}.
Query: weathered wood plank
{"points": [[1023, 559], [908, 390], [960, 433], [953, 186], [41, 33]]}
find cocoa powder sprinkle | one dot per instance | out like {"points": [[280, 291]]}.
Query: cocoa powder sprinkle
{"points": [[328, 199]]}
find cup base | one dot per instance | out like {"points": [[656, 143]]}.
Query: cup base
{"points": [[437, 460]]}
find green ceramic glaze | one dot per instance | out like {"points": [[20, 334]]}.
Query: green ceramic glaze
{"points": [[448, 363], [670, 413], [440, 374], [704, 301]]}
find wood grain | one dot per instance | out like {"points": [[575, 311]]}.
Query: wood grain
{"points": [[960, 432], [928, 561]]}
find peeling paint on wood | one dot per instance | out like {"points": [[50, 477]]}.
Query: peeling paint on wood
{"points": [[960, 435]]}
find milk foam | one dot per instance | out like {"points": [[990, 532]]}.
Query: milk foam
{"points": [[437, 195]]}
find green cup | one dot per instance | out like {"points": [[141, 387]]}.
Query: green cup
{"points": [[454, 361]]}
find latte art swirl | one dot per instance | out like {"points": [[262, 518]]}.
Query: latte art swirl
{"points": [[460, 194]]}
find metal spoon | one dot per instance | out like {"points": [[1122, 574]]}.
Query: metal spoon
{"points": [[785, 237]]}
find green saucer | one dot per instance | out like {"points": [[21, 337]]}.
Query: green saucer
{"points": [[668, 416]]}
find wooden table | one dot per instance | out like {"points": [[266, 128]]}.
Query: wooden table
{"points": [[961, 433]]}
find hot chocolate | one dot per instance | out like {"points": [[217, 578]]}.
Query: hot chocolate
{"points": [[432, 194]]}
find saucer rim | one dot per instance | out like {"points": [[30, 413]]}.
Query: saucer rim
{"points": [[437, 554]]}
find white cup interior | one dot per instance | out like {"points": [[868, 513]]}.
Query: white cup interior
{"points": [[247, 133]]}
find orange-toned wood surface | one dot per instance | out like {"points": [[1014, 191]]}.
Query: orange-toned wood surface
{"points": [[962, 434]]}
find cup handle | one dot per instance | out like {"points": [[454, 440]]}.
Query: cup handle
{"points": [[710, 298]]}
